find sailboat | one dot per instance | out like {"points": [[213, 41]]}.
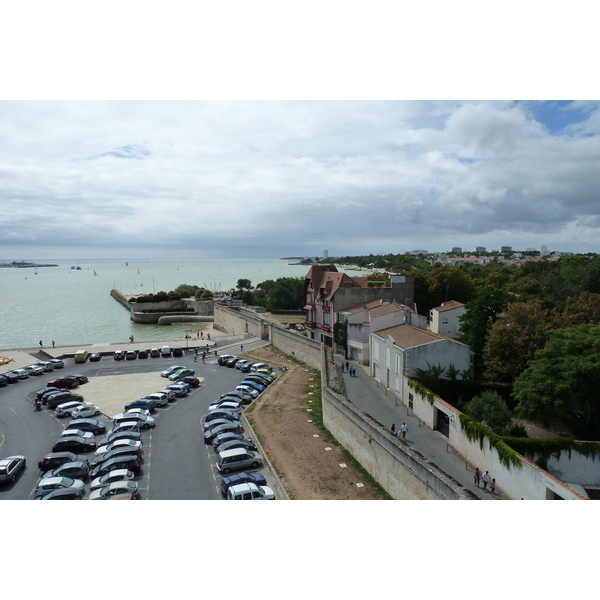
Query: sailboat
{"points": [[95, 273], [138, 271]]}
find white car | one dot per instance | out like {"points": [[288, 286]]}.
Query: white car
{"points": [[143, 421], [133, 444], [66, 408], [247, 390], [170, 370], [46, 365], [110, 477], [35, 370], [118, 490], [228, 405], [137, 411], [45, 486], [85, 411], [159, 397]]}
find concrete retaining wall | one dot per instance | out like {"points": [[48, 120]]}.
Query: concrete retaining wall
{"points": [[299, 346]]}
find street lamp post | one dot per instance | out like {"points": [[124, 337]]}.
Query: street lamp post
{"points": [[187, 337]]}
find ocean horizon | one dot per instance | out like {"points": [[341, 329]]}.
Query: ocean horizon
{"points": [[73, 305]]}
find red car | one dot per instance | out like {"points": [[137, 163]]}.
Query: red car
{"points": [[63, 382]]}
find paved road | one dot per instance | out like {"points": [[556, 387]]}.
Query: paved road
{"points": [[176, 462]]}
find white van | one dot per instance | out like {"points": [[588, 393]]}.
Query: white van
{"points": [[250, 491], [238, 458], [165, 351]]}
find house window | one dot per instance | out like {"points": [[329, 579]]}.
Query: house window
{"points": [[309, 316], [326, 318], [444, 321]]}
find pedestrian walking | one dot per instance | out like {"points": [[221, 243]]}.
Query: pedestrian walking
{"points": [[477, 476], [41, 345], [486, 479], [201, 335], [342, 366], [347, 365], [203, 356], [208, 336], [393, 428], [195, 356], [53, 343], [493, 486], [241, 347], [404, 430], [353, 371]]}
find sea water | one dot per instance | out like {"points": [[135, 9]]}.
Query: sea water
{"points": [[74, 306]]}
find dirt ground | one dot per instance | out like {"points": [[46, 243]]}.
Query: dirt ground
{"points": [[303, 455]]}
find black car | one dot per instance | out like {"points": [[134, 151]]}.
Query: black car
{"points": [[191, 380], [145, 403], [55, 459], [11, 377], [262, 379], [217, 414], [92, 425], [10, 467], [238, 478], [227, 437], [74, 443], [177, 351], [245, 398], [64, 494], [95, 357], [80, 378], [120, 435], [79, 469], [231, 362], [127, 461], [53, 400], [143, 353], [233, 426], [3, 380], [246, 368], [130, 355], [46, 392]]}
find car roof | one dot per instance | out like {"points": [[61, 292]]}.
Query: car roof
{"points": [[232, 452]]}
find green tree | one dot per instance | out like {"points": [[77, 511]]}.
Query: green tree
{"points": [[449, 283], [514, 338], [490, 409], [480, 314], [563, 381], [581, 309], [244, 284]]}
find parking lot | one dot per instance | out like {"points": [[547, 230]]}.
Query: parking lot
{"points": [[176, 462]]}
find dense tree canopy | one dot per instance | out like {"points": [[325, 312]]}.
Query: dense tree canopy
{"points": [[563, 381], [490, 409]]}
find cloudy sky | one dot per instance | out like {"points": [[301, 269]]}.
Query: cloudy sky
{"points": [[286, 178], [286, 165]]}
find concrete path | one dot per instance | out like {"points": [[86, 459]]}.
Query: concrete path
{"points": [[364, 392]]}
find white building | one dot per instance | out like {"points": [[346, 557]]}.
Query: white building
{"points": [[445, 319]]}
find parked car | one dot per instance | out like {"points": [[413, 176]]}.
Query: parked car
{"points": [[66, 408], [10, 467], [240, 363], [245, 398], [133, 445], [127, 426], [224, 358], [116, 489], [145, 403], [57, 363], [92, 425], [100, 458], [237, 459], [11, 377], [143, 421], [74, 443], [95, 357], [47, 485], [250, 491], [46, 365], [120, 435], [180, 389], [192, 381], [79, 377], [119, 355], [88, 435], [177, 351], [143, 353], [181, 373], [46, 392], [231, 444], [259, 365], [228, 436], [238, 478], [170, 394], [3, 380], [34, 370], [170, 370], [128, 461], [63, 383], [110, 477], [161, 398], [253, 384], [165, 351], [55, 459], [75, 470], [130, 355], [21, 373], [247, 390], [225, 427], [232, 362], [85, 410], [219, 413], [226, 405], [70, 493], [58, 398], [154, 353]]}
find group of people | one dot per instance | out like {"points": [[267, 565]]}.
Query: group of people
{"points": [[478, 478], [402, 432], [203, 356], [350, 369]]}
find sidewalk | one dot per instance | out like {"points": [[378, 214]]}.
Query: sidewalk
{"points": [[373, 399]]}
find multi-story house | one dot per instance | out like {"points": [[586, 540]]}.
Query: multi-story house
{"points": [[328, 291], [445, 319]]}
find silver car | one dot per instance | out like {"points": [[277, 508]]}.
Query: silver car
{"points": [[110, 477], [67, 408], [45, 486], [143, 421]]}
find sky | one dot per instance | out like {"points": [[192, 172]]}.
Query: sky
{"points": [[251, 141]]}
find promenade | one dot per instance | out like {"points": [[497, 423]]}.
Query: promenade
{"points": [[364, 392]]}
